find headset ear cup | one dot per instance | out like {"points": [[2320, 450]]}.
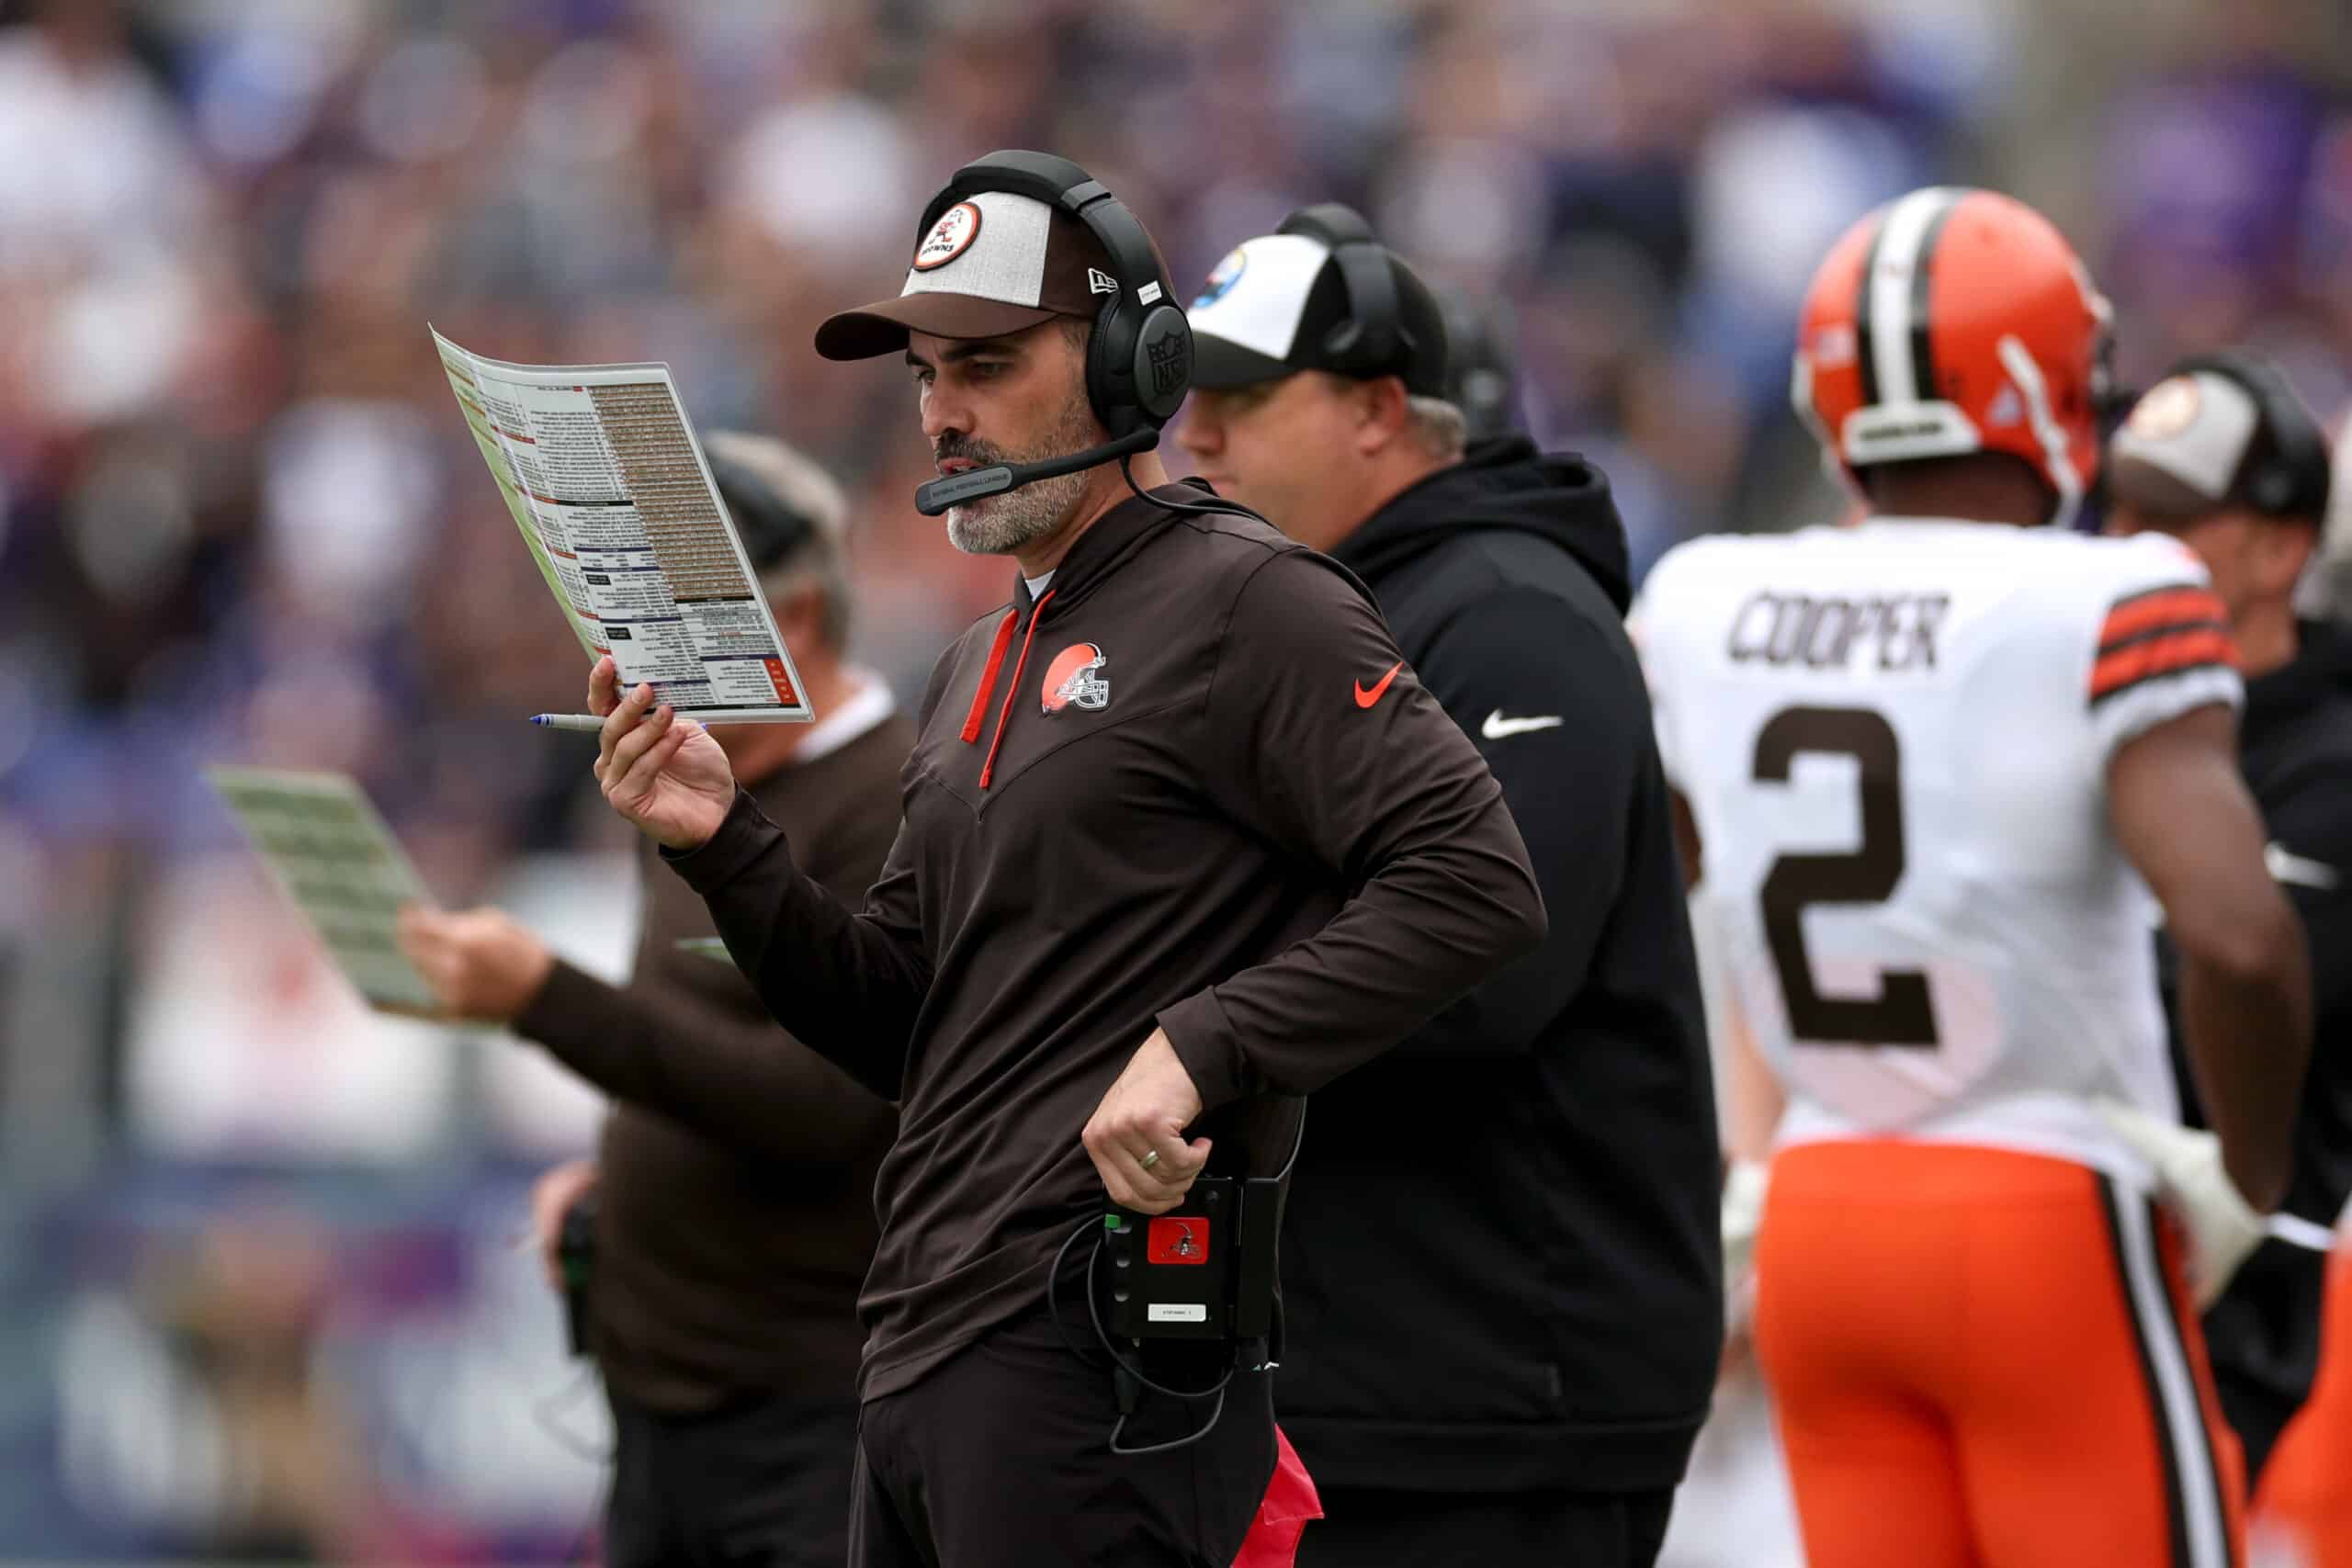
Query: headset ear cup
{"points": [[1110, 353], [1162, 363]]}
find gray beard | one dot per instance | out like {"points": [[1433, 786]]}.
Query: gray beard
{"points": [[1002, 524]]}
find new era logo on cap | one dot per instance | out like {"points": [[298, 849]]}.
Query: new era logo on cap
{"points": [[1101, 282]]}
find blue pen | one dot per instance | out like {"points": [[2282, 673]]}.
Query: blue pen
{"points": [[586, 721]]}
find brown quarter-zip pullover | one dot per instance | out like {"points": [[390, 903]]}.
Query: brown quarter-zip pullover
{"points": [[1192, 785], [735, 1215]]}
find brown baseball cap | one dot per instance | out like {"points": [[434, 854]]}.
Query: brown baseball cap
{"points": [[2201, 439], [993, 263]]}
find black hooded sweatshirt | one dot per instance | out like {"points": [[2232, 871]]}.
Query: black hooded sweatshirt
{"points": [[2295, 747], [1502, 1257]]}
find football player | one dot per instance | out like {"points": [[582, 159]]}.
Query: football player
{"points": [[1932, 766]]}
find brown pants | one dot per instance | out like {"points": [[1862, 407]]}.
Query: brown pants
{"points": [[757, 1487], [1001, 1459]]}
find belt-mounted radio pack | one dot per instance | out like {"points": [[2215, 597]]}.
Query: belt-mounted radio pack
{"points": [[575, 1253], [1203, 1272]]}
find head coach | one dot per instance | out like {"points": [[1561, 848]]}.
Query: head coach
{"points": [[1550, 1230], [1182, 837], [2224, 456]]}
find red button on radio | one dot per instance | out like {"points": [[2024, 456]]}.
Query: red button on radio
{"points": [[1178, 1238]]}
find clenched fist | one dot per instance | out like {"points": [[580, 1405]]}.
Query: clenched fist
{"points": [[663, 773], [1143, 1118]]}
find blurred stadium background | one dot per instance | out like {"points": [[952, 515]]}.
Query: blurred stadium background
{"points": [[260, 1297]]}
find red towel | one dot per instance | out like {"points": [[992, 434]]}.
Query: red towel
{"points": [[1290, 1504]]}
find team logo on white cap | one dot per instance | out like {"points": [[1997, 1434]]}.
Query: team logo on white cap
{"points": [[1221, 281], [949, 238], [2168, 408]]}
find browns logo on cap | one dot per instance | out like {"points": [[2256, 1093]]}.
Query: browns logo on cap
{"points": [[992, 265], [2180, 451], [950, 237], [2168, 408]]}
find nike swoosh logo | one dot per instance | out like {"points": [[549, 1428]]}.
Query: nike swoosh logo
{"points": [[1498, 727], [1366, 699], [2299, 870]]}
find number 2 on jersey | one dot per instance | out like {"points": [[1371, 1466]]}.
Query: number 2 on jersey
{"points": [[1900, 1015]]}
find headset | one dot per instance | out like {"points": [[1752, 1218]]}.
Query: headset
{"points": [[2288, 474], [1139, 359], [1365, 342]]}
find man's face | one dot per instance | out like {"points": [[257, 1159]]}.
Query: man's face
{"points": [[1006, 400], [2252, 559], [1277, 447]]}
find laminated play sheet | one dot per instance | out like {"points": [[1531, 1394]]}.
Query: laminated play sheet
{"points": [[604, 478], [329, 849]]}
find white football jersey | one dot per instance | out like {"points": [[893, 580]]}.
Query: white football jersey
{"points": [[1894, 739]]}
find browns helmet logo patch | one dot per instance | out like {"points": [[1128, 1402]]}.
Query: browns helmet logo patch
{"points": [[950, 237], [1075, 679]]}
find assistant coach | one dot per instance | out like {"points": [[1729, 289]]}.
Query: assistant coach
{"points": [[1182, 836], [734, 1212], [1510, 1365]]}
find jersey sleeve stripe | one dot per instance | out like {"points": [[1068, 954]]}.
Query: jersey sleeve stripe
{"points": [[2173, 604], [2168, 628], [2173, 653]]}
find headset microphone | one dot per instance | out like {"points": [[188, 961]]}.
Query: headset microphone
{"points": [[938, 495]]}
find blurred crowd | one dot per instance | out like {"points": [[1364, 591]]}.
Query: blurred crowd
{"points": [[240, 518]]}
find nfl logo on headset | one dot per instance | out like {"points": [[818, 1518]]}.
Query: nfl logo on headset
{"points": [[1074, 680], [1171, 364]]}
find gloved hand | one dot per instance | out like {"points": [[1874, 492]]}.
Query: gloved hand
{"points": [[2222, 1226], [1743, 1215]]}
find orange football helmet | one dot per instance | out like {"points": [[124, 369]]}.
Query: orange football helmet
{"points": [[1953, 321]]}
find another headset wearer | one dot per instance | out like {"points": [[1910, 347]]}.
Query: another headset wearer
{"points": [[2288, 474], [1365, 342], [1140, 361]]}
